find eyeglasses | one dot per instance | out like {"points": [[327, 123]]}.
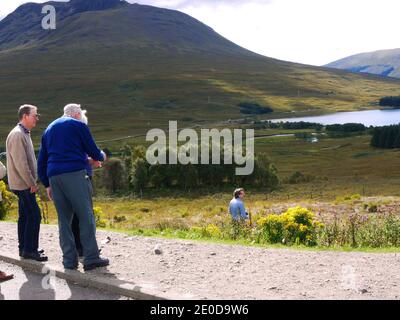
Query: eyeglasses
{"points": [[35, 115]]}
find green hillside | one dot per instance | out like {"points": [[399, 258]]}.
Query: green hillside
{"points": [[135, 67]]}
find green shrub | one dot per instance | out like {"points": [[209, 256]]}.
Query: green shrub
{"points": [[44, 209], [358, 230], [6, 199], [114, 175], [297, 225], [371, 207], [272, 228], [298, 177], [119, 219], [348, 199], [212, 231], [254, 108], [97, 211]]}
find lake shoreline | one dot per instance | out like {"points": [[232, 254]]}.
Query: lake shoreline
{"points": [[376, 117]]}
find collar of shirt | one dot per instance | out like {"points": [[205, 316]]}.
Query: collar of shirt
{"points": [[24, 129]]}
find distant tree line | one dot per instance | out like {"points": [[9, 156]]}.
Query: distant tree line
{"points": [[254, 108], [387, 137], [347, 127], [289, 125], [132, 171], [390, 102]]}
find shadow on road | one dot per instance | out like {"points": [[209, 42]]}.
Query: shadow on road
{"points": [[36, 288], [94, 294]]}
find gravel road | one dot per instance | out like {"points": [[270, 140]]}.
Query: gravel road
{"points": [[31, 286], [214, 271]]}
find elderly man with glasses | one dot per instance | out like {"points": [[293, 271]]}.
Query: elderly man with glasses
{"points": [[22, 180]]}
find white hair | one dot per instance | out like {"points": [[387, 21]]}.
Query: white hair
{"points": [[73, 109], [84, 118]]}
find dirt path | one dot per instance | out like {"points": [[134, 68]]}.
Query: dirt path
{"points": [[213, 271]]}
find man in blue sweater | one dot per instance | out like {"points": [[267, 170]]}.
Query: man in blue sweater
{"points": [[236, 206], [66, 145]]}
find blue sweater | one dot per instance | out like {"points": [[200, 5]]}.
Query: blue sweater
{"points": [[66, 144], [237, 210]]}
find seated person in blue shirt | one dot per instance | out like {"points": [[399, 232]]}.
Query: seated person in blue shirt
{"points": [[236, 206]]}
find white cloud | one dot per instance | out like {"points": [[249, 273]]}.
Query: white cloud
{"points": [[307, 31]]}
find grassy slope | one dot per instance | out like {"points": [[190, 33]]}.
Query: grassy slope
{"points": [[350, 165], [132, 86]]}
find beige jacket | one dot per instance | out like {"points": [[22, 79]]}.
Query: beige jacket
{"points": [[21, 160]]}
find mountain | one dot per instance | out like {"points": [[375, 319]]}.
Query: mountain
{"points": [[104, 22], [383, 63], [134, 67], [23, 26]]}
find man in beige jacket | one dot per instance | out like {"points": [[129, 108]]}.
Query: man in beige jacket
{"points": [[22, 180]]}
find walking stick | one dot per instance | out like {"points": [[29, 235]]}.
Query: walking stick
{"points": [[250, 218]]}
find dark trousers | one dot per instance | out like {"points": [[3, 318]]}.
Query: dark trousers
{"points": [[76, 231], [28, 221], [72, 195]]}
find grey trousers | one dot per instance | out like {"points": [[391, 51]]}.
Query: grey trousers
{"points": [[72, 194]]}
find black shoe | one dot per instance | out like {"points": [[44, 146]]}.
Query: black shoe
{"points": [[100, 263], [40, 251], [35, 256]]}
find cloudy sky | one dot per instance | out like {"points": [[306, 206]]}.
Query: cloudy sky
{"points": [[307, 31]]}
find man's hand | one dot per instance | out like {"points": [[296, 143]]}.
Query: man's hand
{"points": [[49, 193], [96, 164], [34, 189]]}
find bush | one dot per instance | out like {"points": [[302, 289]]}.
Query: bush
{"points": [[97, 211], [114, 176], [354, 197], [357, 230], [44, 209], [272, 228], [254, 108], [297, 225], [119, 219], [298, 177], [139, 174], [391, 101], [371, 207], [212, 231], [6, 198], [348, 199]]}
